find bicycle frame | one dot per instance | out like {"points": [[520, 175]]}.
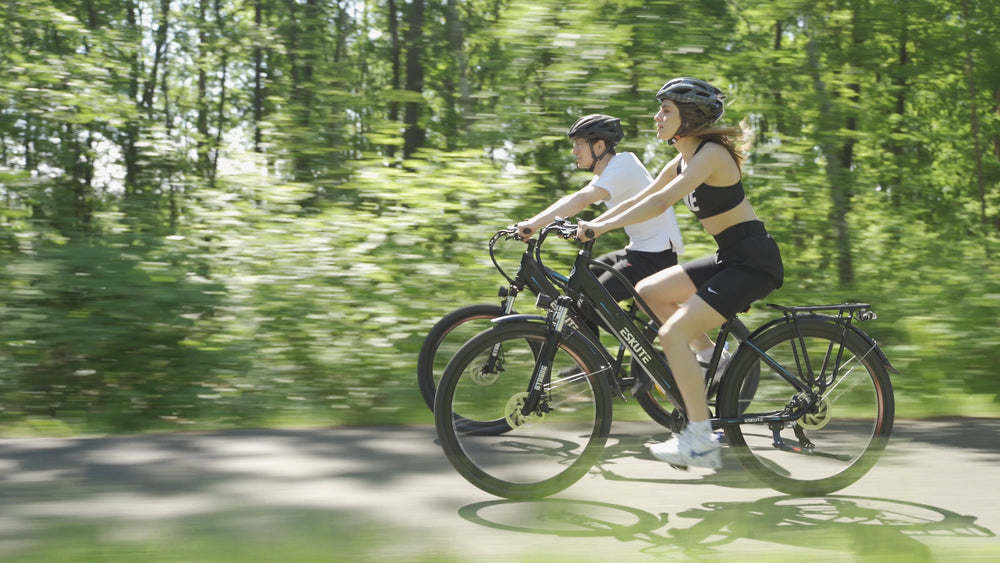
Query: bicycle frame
{"points": [[582, 283], [532, 274]]}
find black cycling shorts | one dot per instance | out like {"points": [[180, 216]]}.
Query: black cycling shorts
{"points": [[746, 268], [635, 265]]}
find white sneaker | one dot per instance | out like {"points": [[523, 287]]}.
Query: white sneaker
{"points": [[724, 360], [689, 448], [720, 369]]}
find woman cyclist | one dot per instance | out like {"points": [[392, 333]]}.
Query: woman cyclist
{"points": [[654, 243], [695, 297]]}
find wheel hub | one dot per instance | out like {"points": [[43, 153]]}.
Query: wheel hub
{"points": [[515, 417], [485, 376], [818, 418]]}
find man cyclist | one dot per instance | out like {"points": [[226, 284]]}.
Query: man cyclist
{"points": [[654, 244]]}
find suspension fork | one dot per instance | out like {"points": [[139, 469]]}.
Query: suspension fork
{"points": [[507, 297], [543, 364]]}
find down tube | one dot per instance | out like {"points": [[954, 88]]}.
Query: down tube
{"points": [[625, 331]]}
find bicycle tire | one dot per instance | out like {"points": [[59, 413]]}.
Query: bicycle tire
{"points": [[834, 446], [429, 365], [561, 445]]}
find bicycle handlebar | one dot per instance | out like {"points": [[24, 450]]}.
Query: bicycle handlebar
{"points": [[504, 234], [563, 228]]}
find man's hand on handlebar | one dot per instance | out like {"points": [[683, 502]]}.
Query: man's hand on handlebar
{"points": [[526, 230]]}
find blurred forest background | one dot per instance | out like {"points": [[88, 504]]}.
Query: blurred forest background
{"points": [[249, 212]]}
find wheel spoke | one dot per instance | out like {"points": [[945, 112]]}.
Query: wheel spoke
{"points": [[840, 379]]}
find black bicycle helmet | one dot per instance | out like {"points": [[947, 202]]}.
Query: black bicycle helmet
{"points": [[707, 98], [597, 126]]}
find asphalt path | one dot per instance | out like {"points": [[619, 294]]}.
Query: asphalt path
{"points": [[388, 493]]}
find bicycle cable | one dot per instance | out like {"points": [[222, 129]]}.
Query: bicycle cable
{"points": [[506, 234]]}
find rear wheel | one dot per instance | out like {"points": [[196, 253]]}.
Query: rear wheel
{"points": [[842, 435], [546, 449]]}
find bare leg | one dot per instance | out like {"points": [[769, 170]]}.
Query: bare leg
{"points": [[664, 291], [695, 445], [694, 318]]}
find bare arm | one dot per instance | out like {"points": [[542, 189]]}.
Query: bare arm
{"points": [[567, 206], [666, 175], [653, 202]]}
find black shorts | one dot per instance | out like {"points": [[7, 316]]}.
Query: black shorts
{"points": [[746, 268], [634, 265]]}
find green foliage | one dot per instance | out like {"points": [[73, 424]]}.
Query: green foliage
{"points": [[208, 218]]}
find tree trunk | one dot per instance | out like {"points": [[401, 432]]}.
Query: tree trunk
{"points": [[201, 123], [778, 102], [258, 88], [996, 110], [837, 175], [894, 182], [413, 136], [340, 26], [393, 17], [221, 111], [159, 53], [458, 109], [977, 148], [307, 35], [130, 144]]}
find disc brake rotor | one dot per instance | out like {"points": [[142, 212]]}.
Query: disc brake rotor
{"points": [[485, 376], [818, 419], [515, 417]]}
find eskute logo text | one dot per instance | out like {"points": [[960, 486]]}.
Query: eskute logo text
{"points": [[633, 343]]}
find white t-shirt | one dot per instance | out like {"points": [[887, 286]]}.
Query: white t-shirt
{"points": [[625, 176]]}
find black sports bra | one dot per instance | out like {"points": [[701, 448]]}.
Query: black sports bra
{"points": [[708, 201]]}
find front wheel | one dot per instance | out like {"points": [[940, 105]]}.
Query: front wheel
{"points": [[844, 432], [547, 448]]}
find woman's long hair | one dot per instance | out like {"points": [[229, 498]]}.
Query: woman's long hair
{"points": [[735, 138]]}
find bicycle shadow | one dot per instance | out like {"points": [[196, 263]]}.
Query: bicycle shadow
{"points": [[854, 525]]}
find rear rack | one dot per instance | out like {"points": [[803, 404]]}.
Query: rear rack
{"points": [[859, 311]]}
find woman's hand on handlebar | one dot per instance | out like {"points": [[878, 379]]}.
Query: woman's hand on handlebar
{"points": [[587, 230]]}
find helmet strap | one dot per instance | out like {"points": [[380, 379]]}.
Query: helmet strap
{"points": [[594, 157], [673, 139]]}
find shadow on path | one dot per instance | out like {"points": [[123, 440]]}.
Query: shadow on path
{"points": [[382, 489], [857, 526]]}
